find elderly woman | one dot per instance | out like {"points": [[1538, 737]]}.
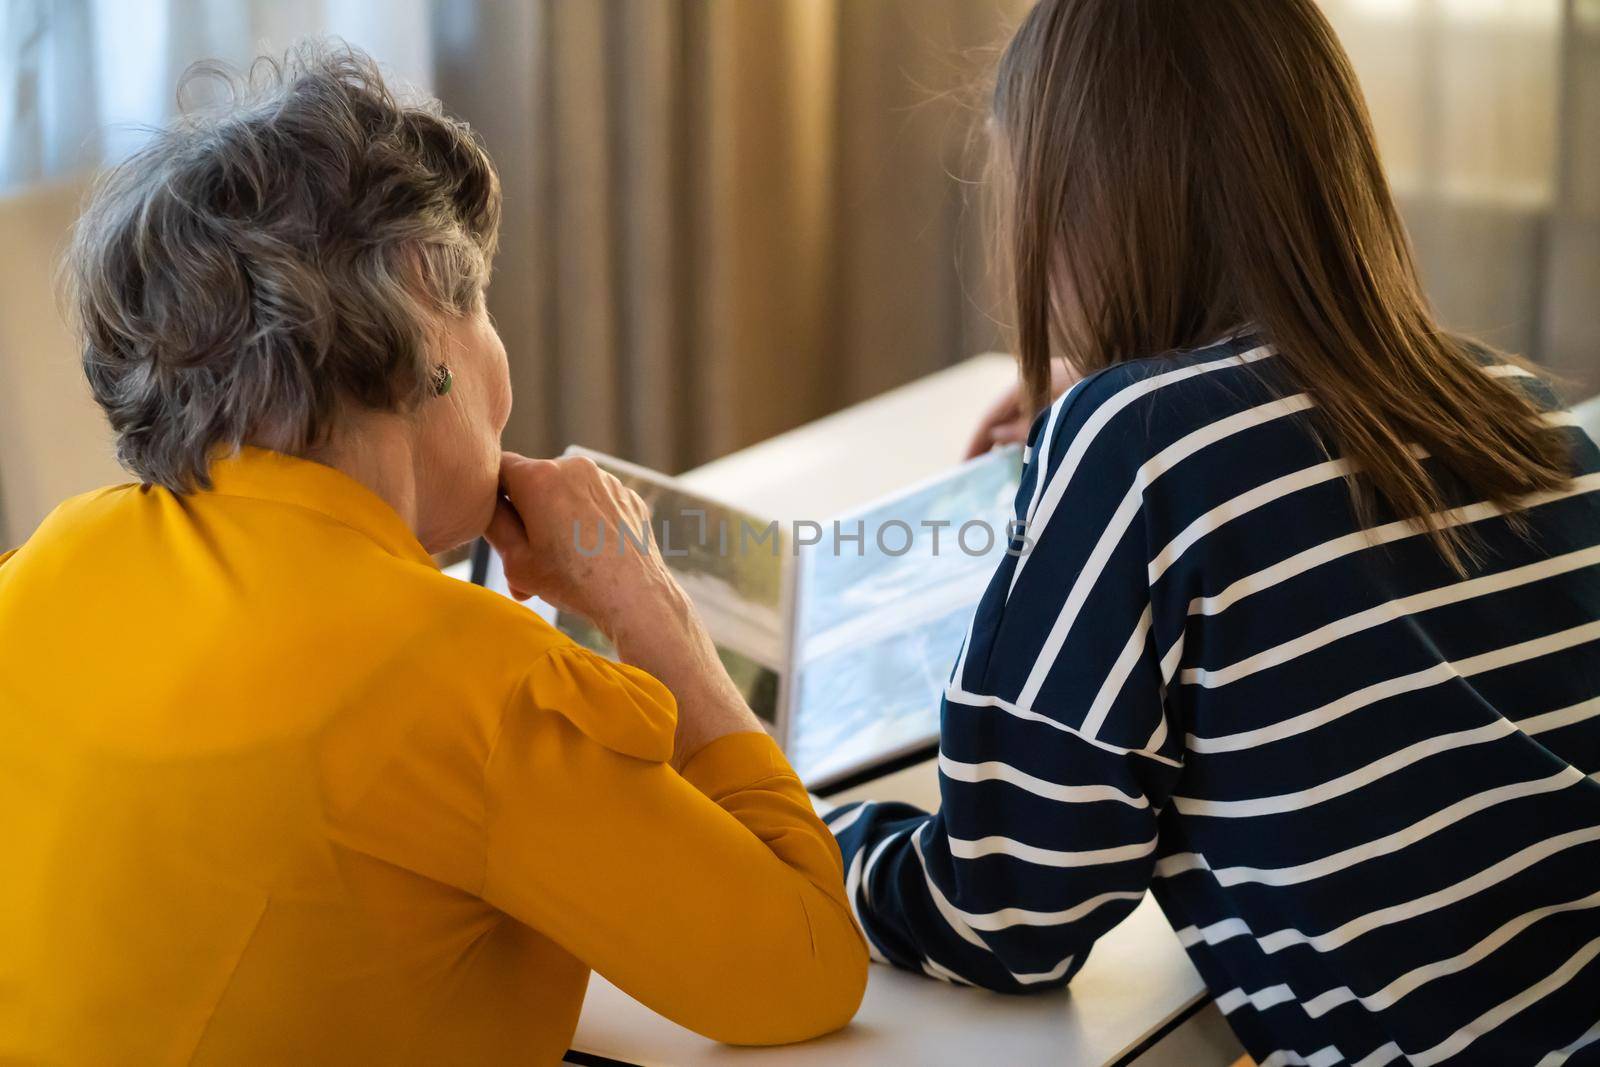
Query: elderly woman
{"points": [[276, 790]]}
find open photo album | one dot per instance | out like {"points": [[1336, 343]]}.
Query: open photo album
{"points": [[840, 630]]}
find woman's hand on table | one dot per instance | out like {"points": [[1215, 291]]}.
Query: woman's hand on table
{"points": [[547, 508]]}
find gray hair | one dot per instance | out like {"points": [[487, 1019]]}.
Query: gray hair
{"points": [[259, 265]]}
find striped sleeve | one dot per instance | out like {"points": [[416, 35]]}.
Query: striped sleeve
{"points": [[1055, 753]]}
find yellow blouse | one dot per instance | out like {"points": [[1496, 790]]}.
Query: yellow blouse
{"points": [[275, 790]]}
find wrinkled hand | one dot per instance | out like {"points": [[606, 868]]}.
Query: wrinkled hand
{"points": [[546, 510], [1008, 420], [630, 595]]}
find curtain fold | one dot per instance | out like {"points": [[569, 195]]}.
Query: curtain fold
{"points": [[724, 218], [1486, 113]]}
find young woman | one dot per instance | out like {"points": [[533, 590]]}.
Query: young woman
{"points": [[1307, 640]]}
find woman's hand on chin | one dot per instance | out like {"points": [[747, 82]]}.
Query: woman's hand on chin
{"points": [[549, 508], [569, 533]]}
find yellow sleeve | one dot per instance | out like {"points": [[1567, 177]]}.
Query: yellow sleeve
{"points": [[6, 555], [715, 897]]}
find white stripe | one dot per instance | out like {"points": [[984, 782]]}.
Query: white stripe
{"points": [[1152, 469], [959, 676], [1381, 1056], [1323, 1057], [1492, 1018], [1507, 370], [1169, 663], [852, 885], [1046, 439], [1215, 934], [1082, 586], [1317, 555], [1289, 483], [1555, 720], [1227, 929], [1097, 420], [995, 845], [1178, 862], [1158, 736], [1397, 913], [843, 824], [953, 916], [1390, 610], [872, 861], [1222, 514], [1326, 713], [1006, 918], [1349, 782], [1260, 1000], [858, 886], [1243, 504], [960, 696], [1400, 839], [1584, 1040], [1117, 677], [1051, 975], [995, 771], [1412, 980], [964, 923], [1491, 660], [934, 969]]}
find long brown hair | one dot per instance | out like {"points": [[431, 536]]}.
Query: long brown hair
{"points": [[1176, 169]]}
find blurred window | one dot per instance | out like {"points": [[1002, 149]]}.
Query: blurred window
{"points": [[1465, 94], [82, 81]]}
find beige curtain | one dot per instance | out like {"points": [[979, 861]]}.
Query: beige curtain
{"points": [[1486, 112], [725, 217]]}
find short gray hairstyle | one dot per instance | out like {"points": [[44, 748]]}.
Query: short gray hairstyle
{"points": [[260, 265]]}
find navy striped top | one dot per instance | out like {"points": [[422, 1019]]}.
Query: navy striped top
{"points": [[1360, 786]]}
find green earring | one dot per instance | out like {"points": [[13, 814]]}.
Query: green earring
{"points": [[442, 380]]}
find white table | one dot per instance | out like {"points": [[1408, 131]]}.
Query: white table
{"points": [[1122, 1007]]}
